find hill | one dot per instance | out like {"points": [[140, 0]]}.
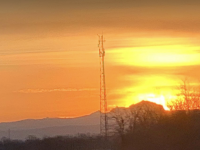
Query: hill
{"points": [[51, 126]]}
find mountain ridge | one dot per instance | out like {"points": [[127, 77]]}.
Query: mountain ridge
{"points": [[60, 126], [51, 126]]}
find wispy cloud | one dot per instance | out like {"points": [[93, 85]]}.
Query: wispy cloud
{"points": [[55, 90]]}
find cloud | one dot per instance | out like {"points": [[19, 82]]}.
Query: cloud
{"points": [[55, 90], [136, 75], [63, 17], [89, 3], [140, 70]]}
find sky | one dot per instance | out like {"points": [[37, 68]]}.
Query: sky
{"points": [[49, 61]]}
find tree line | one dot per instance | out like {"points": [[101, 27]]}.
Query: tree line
{"points": [[147, 126], [78, 142]]}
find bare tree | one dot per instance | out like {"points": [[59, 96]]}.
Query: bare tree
{"points": [[146, 113], [119, 117], [188, 97], [139, 115]]}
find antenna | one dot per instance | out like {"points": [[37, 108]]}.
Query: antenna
{"points": [[103, 100]]}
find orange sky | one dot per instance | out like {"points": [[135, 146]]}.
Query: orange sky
{"points": [[49, 65]]}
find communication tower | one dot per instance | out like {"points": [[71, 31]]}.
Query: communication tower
{"points": [[103, 101]]}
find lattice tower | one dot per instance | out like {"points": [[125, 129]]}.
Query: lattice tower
{"points": [[103, 100]]}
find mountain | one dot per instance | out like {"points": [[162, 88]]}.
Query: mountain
{"points": [[51, 127], [48, 127]]}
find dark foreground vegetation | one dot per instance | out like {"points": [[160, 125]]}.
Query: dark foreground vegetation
{"points": [[175, 130], [80, 142], [179, 130]]}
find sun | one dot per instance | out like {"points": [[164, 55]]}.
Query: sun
{"points": [[158, 100]]}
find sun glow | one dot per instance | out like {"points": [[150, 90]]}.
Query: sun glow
{"points": [[165, 55], [158, 99]]}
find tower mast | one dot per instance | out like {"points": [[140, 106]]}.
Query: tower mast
{"points": [[103, 101]]}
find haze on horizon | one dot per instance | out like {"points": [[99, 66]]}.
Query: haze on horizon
{"points": [[49, 65]]}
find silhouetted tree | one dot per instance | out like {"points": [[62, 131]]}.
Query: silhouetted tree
{"points": [[188, 97], [79, 142], [136, 117], [175, 131], [120, 122]]}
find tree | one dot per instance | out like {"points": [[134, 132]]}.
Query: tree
{"points": [[137, 117], [188, 97], [140, 115], [119, 116], [145, 113]]}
